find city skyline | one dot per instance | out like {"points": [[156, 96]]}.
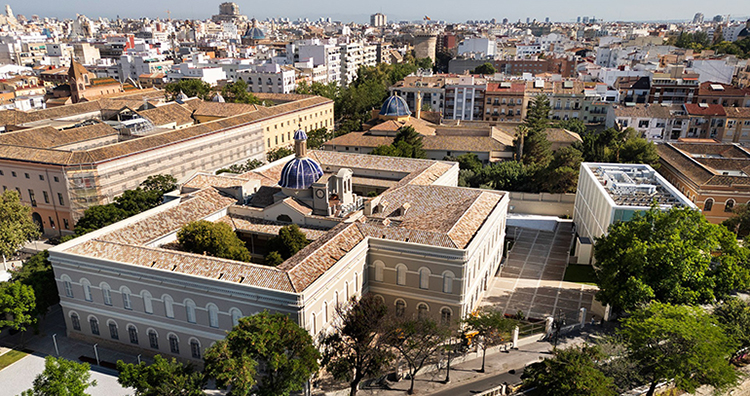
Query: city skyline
{"points": [[638, 10]]}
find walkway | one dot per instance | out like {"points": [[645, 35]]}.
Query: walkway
{"points": [[532, 279]]}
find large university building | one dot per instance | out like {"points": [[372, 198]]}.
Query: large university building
{"points": [[422, 245]]}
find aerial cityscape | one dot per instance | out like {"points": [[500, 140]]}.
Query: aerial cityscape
{"points": [[332, 199]]}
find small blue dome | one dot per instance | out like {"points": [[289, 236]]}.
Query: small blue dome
{"points": [[254, 33], [300, 173], [395, 106], [300, 135]]}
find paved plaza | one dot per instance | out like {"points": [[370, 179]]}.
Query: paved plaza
{"points": [[532, 278]]}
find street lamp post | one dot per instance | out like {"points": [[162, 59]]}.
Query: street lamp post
{"points": [[96, 353], [54, 340], [558, 324]]}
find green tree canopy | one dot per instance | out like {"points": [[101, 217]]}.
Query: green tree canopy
{"points": [[190, 87], [215, 239], [485, 68], [17, 305], [572, 371], [680, 343], [468, 161], [241, 168], [562, 172], [285, 349], [160, 183], [237, 92], [289, 241], [673, 256], [416, 340], [492, 327], [138, 200], [537, 115], [61, 377], [16, 225], [351, 352], [317, 137], [739, 223], [278, 153], [99, 216], [734, 314], [162, 378], [37, 272], [573, 125], [407, 143]]}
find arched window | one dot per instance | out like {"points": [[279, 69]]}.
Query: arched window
{"points": [[236, 316], [445, 316], [422, 310], [113, 330], [153, 339], [448, 282], [708, 205], [168, 306], [336, 299], [133, 334], [148, 305], [94, 323], [86, 289], [346, 292], [126, 298], [379, 266], [67, 286], [729, 206], [106, 293], [174, 344], [424, 278], [190, 311], [313, 324], [400, 274], [213, 315], [400, 307], [75, 321], [356, 283], [380, 298], [325, 311], [195, 348]]}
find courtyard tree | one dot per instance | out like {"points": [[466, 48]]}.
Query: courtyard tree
{"points": [[37, 273], [681, 343], [99, 216], [17, 305], [61, 377], [160, 183], [162, 378], [407, 144], [265, 354], [571, 371], [215, 239], [190, 87], [739, 223], [352, 351], [16, 224], [734, 314], [417, 340], [278, 153], [289, 241], [491, 327], [237, 92], [485, 68], [673, 256]]}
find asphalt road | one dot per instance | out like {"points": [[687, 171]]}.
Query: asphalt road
{"points": [[482, 385]]}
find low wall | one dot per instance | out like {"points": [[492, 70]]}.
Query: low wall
{"points": [[545, 204]]}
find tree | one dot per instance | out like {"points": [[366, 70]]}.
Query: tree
{"points": [[572, 371], [17, 305], [637, 150], [492, 327], [160, 183], [317, 137], [273, 259], [424, 63], [537, 115], [537, 149], [237, 92], [61, 377], [673, 256], [37, 273], [734, 314], [138, 200], [241, 168], [16, 224], [215, 239], [485, 68], [351, 352], [416, 340], [739, 223], [468, 161], [286, 350], [573, 125], [680, 343], [289, 241], [190, 87], [162, 378], [278, 153], [407, 143], [562, 172], [99, 216]]}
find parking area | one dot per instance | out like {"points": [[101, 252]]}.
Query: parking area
{"points": [[531, 280]]}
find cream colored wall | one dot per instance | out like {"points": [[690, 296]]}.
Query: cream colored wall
{"points": [[279, 131]]}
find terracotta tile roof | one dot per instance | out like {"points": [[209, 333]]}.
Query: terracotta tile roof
{"points": [[166, 114], [261, 226], [449, 143], [346, 160], [49, 137], [391, 127], [202, 204], [202, 181], [559, 135], [737, 112], [378, 230], [188, 263], [264, 196], [217, 109], [704, 109], [701, 162], [641, 111], [727, 90]]}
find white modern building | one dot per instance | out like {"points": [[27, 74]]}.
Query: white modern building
{"points": [[479, 46], [609, 193], [269, 78]]}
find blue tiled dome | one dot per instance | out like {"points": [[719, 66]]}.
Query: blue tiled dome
{"points": [[300, 135], [395, 106], [254, 33], [300, 173]]}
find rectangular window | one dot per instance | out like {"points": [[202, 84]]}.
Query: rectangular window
{"points": [[133, 333], [32, 198], [174, 345], [107, 296], [126, 300], [113, 331], [68, 289], [76, 322], [60, 199], [51, 222], [41, 177], [195, 349], [1, 173], [94, 326], [153, 340], [13, 173], [66, 223], [27, 175], [46, 197], [56, 179]]}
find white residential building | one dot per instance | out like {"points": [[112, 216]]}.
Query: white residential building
{"points": [[479, 46], [269, 78]]}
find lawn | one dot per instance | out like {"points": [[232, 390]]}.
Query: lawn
{"points": [[580, 273], [11, 357]]}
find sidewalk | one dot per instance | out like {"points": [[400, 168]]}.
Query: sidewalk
{"points": [[465, 378]]}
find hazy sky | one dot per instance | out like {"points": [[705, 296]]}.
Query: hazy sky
{"points": [[358, 11]]}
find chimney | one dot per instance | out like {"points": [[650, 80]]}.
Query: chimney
{"points": [[418, 105]]}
